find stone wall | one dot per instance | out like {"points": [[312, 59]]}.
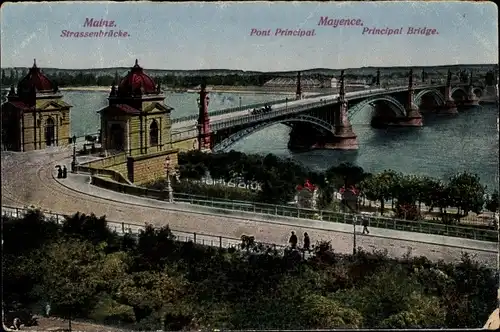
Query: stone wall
{"points": [[186, 144], [146, 168]]}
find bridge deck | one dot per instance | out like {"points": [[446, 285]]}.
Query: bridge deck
{"points": [[187, 129]]}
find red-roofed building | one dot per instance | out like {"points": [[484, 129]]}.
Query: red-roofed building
{"points": [[35, 116], [137, 124], [307, 195]]}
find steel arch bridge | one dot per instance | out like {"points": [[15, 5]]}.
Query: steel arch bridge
{"points": [[232, 139], [393, 103], [458, 88], [438, 96]]}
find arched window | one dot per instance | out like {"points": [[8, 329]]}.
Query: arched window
{"points": [[153, 133]]}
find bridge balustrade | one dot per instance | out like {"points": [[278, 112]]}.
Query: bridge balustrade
{"points": [[291, 109], [275, 102]]}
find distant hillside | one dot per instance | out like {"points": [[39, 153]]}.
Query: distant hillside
{"points": [[363, 71]]}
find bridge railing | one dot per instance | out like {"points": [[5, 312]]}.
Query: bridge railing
{"points": [[123, 228], [292, 109], [270, 103], [232, 110]]}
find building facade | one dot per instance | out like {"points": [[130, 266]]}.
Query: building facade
{"points": [[136, 127], [34, 116]]}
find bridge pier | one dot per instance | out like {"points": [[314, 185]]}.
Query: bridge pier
{"points": [[344, 137], [449, 107], [413, 116], [472, 99]]}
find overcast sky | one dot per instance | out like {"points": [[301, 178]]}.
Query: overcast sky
{"points": [[216, 36]]}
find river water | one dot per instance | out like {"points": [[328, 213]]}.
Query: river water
{"points": [[443, 146]]}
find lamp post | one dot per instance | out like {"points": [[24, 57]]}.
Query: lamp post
{"points": [[170, 191], [240, 102], [354, 222], [73, 163]]}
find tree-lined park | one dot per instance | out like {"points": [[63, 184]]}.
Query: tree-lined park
{"points": [[411, 197]]}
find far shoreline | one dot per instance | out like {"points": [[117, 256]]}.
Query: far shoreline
{"points": [[249, 90]]}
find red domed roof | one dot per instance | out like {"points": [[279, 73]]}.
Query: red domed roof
{"points": [[137, 82], [36, 79]]}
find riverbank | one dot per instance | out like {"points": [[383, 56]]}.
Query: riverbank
{"points": [[217, 89]]}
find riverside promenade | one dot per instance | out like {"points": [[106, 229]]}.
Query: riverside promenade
{"points": [[29, 179]]}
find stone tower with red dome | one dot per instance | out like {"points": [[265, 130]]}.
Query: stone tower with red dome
{"points": [[136, 125], [35, 116]]}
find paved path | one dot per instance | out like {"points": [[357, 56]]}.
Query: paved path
{"points": [[29, 179]]}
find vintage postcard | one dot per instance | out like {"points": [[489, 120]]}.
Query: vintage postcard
{"points": [[249, 165]]}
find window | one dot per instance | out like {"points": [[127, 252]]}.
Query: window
{"points": [[153, 133]]}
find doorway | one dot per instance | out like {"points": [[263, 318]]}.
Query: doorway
{"points": [[116, 137], [50, 132]]}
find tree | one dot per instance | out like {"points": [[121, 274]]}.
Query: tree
{"points": [[71, 276], [407, 190], [151, 291], [379, 187], [320, 312], [492, 202], [345, 174], [466, 193]]}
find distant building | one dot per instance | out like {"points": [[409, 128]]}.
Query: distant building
{"points": [[334, 83], [291, 83], [35, 116]]}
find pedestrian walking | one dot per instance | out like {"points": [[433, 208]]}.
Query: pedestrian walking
{"points": [[64, 172], [307, 242], [293, 240], [365, 225]]}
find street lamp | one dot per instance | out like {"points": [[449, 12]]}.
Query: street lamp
{"points": [[354, 222], [170, 191], [73, 163]]}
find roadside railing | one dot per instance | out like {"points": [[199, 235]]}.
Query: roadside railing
{"points": [[123, 228], [301, 213]]}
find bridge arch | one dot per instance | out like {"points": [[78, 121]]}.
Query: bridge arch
{"points": [[398, 109], [459, 91], [438, 96], [232, 139], [478, 91]]}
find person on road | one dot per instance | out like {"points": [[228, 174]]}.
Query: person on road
{"points": [[307, 242], [365, 225], [64, 172], [293, 240]]}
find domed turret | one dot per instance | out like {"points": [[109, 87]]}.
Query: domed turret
{"points": [[35, 79], [136, 83]]}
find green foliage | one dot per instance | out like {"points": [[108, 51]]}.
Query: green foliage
{"points": [[492, 202], [158, 283], [466, 192]]}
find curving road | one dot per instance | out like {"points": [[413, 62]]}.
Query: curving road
{"points": [[28, 179]]}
